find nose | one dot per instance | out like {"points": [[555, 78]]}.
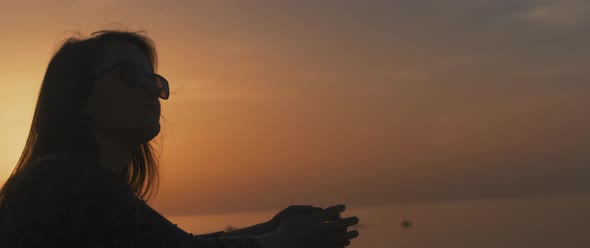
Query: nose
{"points": [[152, 89]]}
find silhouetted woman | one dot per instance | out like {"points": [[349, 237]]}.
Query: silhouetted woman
{"points": [[88, 168]]}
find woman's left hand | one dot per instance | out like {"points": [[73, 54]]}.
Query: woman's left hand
{"points": [[274, 223], [289, 212]]}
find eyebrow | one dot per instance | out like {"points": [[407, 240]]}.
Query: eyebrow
{"points": [[117, 64]]}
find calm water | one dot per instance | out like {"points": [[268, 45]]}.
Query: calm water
{"points": [[538, 222]]}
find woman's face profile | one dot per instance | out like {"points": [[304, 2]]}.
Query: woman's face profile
{"points": [[117, 109]]}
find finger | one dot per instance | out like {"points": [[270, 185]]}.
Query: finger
{"points": [[345, 237], [305, 209], [334, 216], [342, 239], [352, 234], [296, 209], [339, 245], [340, 224], [332, 213]]}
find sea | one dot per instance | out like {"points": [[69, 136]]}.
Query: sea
{"points": [[539, 221]]}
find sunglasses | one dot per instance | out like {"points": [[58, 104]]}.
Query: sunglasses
{"points": [[136, 77]]}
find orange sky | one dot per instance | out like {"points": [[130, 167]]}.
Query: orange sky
{"points": [[299, 102]]}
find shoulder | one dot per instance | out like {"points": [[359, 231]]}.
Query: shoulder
{"points": [[44, 175], [58, 185], [55, 170], [49, 174], [60, 180], [53, 198]]}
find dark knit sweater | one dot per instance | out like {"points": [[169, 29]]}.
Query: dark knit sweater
{"points": [[67, 203]]}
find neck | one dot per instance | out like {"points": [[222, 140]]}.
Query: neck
{"points": [[114, 153]]}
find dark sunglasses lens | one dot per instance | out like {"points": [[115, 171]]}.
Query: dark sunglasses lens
{"points": [[137, 78], [162, 84], [133, 76]]}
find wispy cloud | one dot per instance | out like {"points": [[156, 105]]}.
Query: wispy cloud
{"points": [[557, 13]]}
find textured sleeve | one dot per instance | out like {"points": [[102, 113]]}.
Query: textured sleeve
{"points": [[64, 204], [41, 207], [210, 235], [211, 240], [225, 242], [59, 203]]}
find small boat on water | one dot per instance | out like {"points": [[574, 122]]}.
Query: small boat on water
{"points": [[406, 224]]}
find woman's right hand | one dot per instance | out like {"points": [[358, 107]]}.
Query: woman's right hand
{"points": [[313, 231]]}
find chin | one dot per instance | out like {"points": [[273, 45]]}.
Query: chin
{"points": [[151, 133], [140, 135]]}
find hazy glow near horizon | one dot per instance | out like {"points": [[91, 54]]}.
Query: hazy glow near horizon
{"points": [[301, 102]]}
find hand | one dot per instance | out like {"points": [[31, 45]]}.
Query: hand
{"points": [[289, 212], [274, 223], [312, 231]]}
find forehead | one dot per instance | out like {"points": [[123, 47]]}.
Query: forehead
{"points": [[114, 52]]}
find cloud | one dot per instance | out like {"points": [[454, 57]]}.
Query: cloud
{"points": [[556, 13]]}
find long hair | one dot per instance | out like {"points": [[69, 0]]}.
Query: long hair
{"points": [[58, 125]]}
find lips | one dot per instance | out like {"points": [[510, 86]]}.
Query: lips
{"points": [[151, 108]]}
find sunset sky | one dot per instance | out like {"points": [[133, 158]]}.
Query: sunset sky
{"points": [[321, 102]]}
